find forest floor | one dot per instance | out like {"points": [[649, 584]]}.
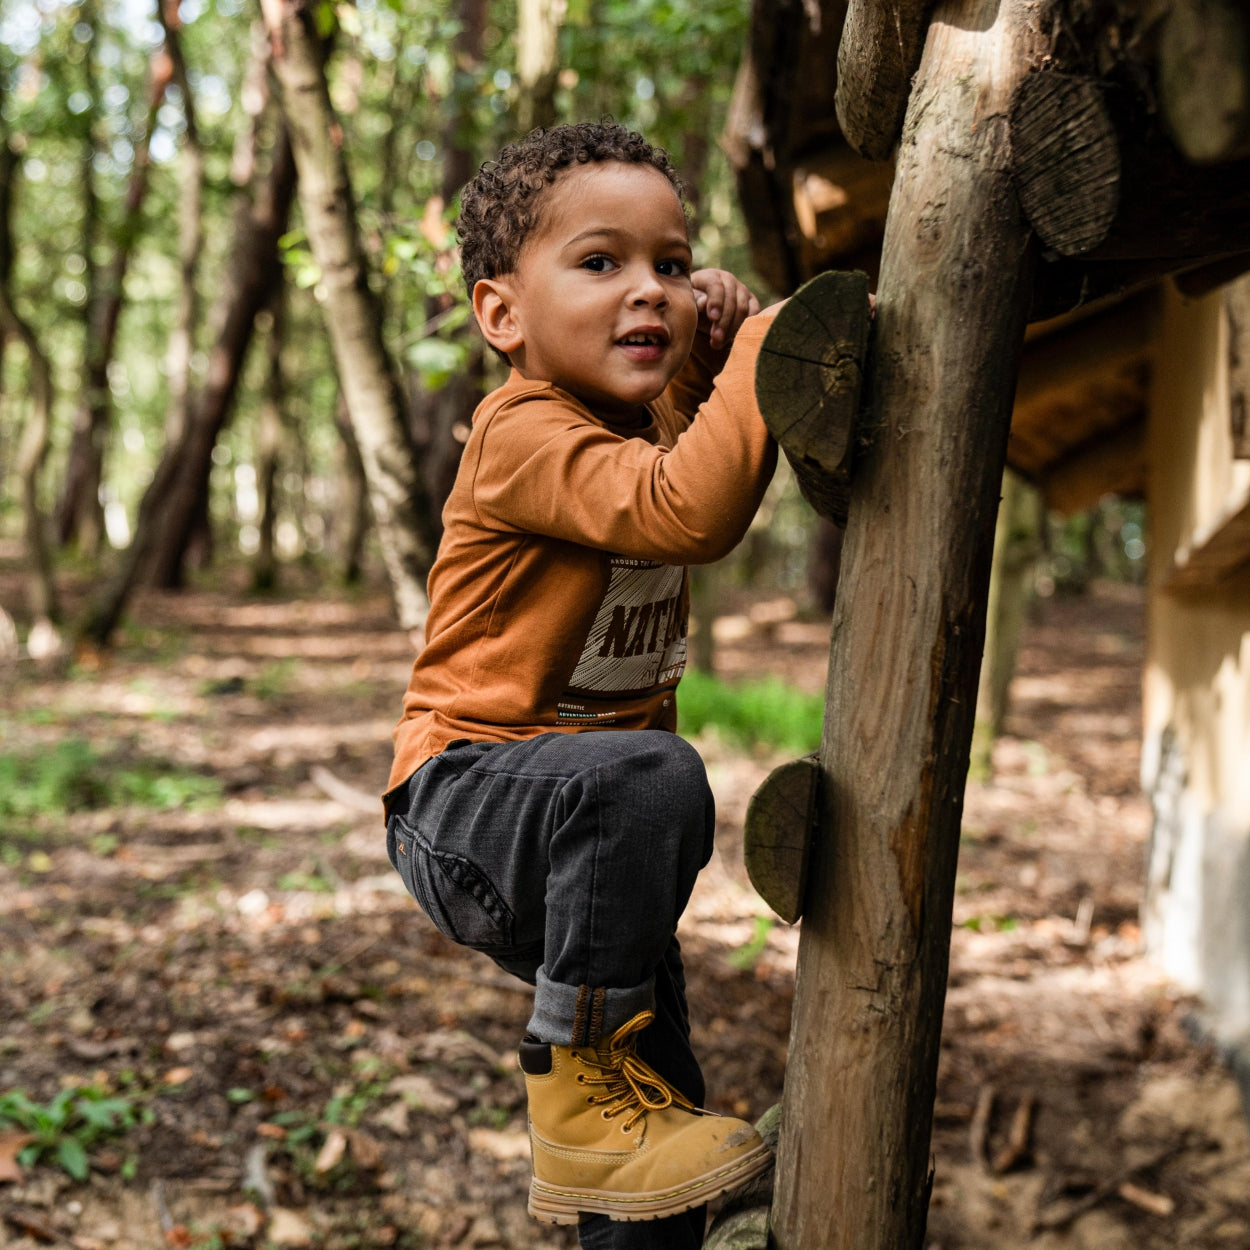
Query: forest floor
{"points": [[192, 926]]}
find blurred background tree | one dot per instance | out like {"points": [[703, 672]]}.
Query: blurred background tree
{"points": [[165, 308]]}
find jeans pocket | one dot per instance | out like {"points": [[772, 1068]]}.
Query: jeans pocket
{"points": [[453, 892]]}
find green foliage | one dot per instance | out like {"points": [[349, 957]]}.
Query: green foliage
{"points": [[757, 713], [71, 777], [68, 1126], [748, 955]]}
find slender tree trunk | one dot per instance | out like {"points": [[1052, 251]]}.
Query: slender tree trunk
{"points": [[168, 507], [79, 516], [254, 272], [33, 446], [355, 497], [854, 1164], [538, 60], [190, 233], [353, 313], [1015, 549], [269, 443]]}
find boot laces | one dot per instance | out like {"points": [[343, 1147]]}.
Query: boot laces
{"points": [[631, 1086]]}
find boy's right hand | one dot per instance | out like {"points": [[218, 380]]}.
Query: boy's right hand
{"points": [[723, 302]]}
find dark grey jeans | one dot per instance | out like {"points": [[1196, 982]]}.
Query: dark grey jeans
{"points": [[568, 858]]}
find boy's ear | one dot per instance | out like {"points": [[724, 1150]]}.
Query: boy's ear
{"points": [[493, 300]]}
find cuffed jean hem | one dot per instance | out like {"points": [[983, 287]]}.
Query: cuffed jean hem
{"points": [[579, 1015]]}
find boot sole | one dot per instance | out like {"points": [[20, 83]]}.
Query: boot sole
{"points": [[558, 1204]]}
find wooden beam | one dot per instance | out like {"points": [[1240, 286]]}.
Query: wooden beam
{"points": [[1237, 312], [1204, 78], [879, 53], [1215, 553], [1113, 462], [1079, 380], [853, 1166]]}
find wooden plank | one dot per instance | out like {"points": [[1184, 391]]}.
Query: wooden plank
{"points": [[1217, 552], [853, 1164], [808, 380], [1113, 462], [778, 833]]}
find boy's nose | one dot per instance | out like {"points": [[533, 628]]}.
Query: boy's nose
{"points": [[648, 289]]}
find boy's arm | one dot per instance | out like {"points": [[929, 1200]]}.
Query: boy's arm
{"points": [[545, 469]]}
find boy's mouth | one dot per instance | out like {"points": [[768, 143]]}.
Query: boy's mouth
{"points": [[645, 344]]}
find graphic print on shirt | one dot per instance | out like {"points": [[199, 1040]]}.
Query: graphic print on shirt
{"points": [[638, 639]]}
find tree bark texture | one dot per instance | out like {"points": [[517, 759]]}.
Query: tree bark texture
{"points": [[853, 1169], [79, 517], [1237, 313], [367, 374], [879, 53], [32, 448], [247, 286]]}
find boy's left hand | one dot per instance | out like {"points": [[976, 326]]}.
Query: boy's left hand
{"points": [[723, 304]]}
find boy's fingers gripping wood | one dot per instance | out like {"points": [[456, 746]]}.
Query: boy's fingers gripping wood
{"points": [[807, 384]]}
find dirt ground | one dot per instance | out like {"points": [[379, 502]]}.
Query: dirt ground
{"points": [[314, 1065]]}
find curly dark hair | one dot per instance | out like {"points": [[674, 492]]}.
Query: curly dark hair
{"points": [[502, 205]]}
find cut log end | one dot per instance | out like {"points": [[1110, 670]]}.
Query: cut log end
{"points": [[1065, 161], [777, 835], [808, 379]]}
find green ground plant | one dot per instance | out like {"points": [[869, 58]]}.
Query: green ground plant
{"points": [[72, 776], [756, 713], [65, 1128]]}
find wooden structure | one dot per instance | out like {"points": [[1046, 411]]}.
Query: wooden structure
{"points": [[1032, 184]]}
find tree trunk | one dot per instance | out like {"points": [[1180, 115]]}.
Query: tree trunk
{"points": [[269, 441], [1015, 549], [190, 234], [538, 60], [79, 517], [168, 508], [254, 272], [32, 448], [853, 1168], [353, 314], [356, 497]]}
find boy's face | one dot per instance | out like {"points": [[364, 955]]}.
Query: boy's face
{"points": [[600, 304]]}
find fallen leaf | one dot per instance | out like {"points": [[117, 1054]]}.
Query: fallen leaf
{"points": [[245, 1220], [289, 1228], [366, 1150], [178, 1076], [276, 1131], [33, 1225], [332, 1151], [419, 1091], [500, 1145], [179, 1237], [395, 1118], [11, 1145]]}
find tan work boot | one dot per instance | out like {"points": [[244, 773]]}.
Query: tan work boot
{"points": [[610, 1135]]}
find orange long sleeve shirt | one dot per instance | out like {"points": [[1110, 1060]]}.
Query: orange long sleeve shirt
{"points": [[559, 601]]}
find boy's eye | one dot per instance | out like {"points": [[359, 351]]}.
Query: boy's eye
{"points": [[597, 264], [672, 268]]}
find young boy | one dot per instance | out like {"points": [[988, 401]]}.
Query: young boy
{"points": [[541, 808]]}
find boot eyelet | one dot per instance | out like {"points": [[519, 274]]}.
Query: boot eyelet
{"points": [[605, 1114]]}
